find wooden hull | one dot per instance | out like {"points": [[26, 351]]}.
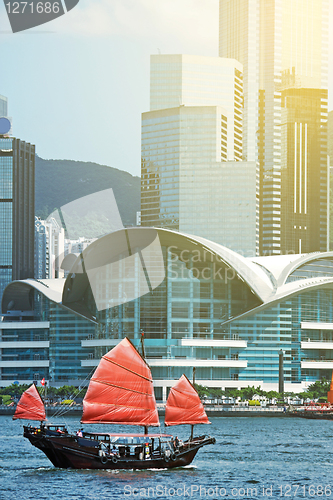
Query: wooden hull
{"points": [[38, 439], [69, 451]]}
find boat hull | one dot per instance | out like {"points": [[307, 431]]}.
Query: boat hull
{"points": [[38, 439], [69, 451]]}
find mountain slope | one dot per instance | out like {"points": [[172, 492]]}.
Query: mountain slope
{"points": [[60, 181]]}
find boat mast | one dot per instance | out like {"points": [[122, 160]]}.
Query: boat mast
{"points": [[143, 344], [45, 397], [192, 426], [145, 427], [44, 400]]}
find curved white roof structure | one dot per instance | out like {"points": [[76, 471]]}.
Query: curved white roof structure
{"points": [[256, 277], [265, 276], [16, 295]]}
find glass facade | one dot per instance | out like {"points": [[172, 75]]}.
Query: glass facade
{"points": [[184, 80], [204, 314], [194, 128], [175, 141], [26, 363], [285, 93], [49, 248], [184, 167], [6, 212], [239, 38], [228, 215], [303, 170], [207, 313], [199, 293], [44, 341], [17, 196], [66, 332], [281, 327]]}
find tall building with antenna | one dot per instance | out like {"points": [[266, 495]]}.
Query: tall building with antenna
{"points": [[17, 207]]}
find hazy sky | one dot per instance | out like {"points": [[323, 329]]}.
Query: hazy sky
{"points": [[77, 86]]}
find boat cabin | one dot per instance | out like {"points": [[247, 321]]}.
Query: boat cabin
{"points": [[127, 445], [54, 429], [127, 439]]}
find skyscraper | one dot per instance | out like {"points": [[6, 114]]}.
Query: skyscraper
{"points": [[239, 38], [177, 142], [192, 152], [49, 248], [186, 80], [283, 46], [17, 207], [188, 185], [3, 105]]}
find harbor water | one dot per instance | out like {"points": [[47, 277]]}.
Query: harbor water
{"points": [[258, 457]]}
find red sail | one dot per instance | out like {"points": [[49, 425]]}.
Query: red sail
{"points": [[183, 405], [330, 392], [121, 390], [30, 405]]}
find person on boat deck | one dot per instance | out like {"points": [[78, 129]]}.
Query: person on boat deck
{"points": [[114, 450], [176, 442], [79, 433]]}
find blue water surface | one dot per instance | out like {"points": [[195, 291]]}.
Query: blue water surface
{"points": [[254, 457]]}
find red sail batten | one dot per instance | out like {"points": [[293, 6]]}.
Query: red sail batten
{"points": [[184, 406], [30, 406], [121, 390]]}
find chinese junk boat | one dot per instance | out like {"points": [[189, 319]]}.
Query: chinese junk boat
{"points": [[120, 392]]}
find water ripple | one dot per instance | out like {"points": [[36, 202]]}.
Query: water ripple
{"points": [[249, 453]]}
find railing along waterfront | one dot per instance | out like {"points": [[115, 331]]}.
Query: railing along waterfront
{"points": [[263, 409]]}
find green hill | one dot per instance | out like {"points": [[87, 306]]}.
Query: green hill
{"points": [[60, 181]]}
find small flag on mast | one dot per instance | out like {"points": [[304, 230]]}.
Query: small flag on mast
{"points": [[42, 381]]}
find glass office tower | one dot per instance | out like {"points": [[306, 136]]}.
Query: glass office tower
{"points": [[184, 80], [193, 178], [239, 39], [188, 185], [176, 140], [283, 46], [17, 207]]}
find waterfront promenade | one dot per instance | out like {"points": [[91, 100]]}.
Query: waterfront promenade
{"points": [[211, 410]]}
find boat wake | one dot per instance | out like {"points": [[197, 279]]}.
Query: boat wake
{"points": [[154, 470]]}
